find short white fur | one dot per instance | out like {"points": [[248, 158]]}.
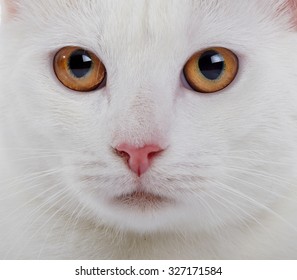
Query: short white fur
{"points": [[230, 160]]}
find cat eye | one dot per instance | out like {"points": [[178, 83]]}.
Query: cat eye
{"points": [[211, 70], [79, 69]]}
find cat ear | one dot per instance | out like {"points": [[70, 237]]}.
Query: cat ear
{"points": [[290, 7], [293, 6], [9, 8]]}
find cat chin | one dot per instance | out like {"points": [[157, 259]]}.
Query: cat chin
{"points": [[139, 213], [143, 213], [140, 224]]}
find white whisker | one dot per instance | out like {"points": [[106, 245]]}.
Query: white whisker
{"points": [[57, 202], [226, 188]]}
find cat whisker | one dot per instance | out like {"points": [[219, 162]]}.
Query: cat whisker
{"points": [[45, 156], [79, 208], [24, 230], [218, 199], [256, 172], [76, 220], [28, 177], [213, 214], [231, 190], [224, 201], [262, 151], [250, 184], [255, 160], [30, 151], [39, 195], [53, 226], [58, 198], [91, 164]]}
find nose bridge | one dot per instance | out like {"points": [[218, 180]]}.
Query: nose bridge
{"points": [[139, 113], [137, 121], [140, 102], [142, 109]]}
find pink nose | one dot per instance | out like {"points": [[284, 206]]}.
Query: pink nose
{"points": [[139, 159]]}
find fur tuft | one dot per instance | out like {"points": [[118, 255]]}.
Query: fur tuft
{"points": [[9, 9]]}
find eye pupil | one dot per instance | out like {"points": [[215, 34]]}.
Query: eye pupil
{"points": [[211, 64], [80, 63]]}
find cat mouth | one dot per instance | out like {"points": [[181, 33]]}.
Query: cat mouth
{"points": [[142, 199]]}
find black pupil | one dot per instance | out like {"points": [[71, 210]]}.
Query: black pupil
{"points": [[80, 63], [211, 64]]}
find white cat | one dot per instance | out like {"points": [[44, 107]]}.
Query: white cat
{"points": [[144, 129]]}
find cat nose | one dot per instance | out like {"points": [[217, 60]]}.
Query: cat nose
{"points": [[139, 159]]}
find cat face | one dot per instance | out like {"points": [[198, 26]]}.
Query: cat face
{"points": [[144, 151]]}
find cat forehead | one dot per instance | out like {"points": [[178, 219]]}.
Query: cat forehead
{"points": [[150, 12], [143, 19], [157, 27], [147, 4]]}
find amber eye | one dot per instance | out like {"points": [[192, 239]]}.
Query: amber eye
{"points": [[211, 70], [78, 69]]}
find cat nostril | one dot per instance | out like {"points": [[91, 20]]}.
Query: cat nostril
{"points": [[153, 154], [122, 154], [139, 159]]}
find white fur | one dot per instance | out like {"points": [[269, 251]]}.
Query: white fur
{"points": [[230, 160]]}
